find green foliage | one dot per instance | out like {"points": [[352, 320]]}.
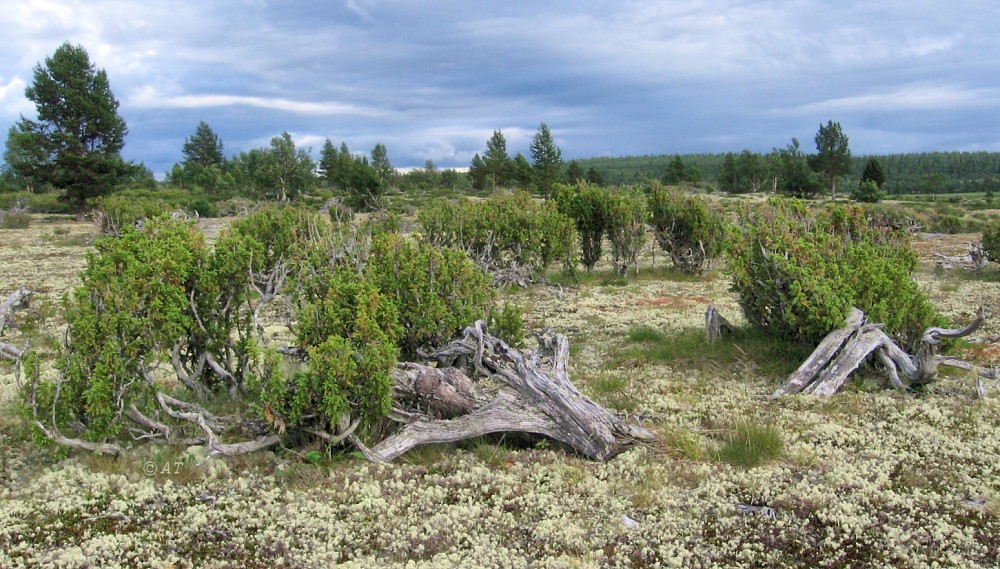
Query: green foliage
{"points": [[507, 323], [686, 228], [873, 172], [797, 273], [626, 227], [349, 330], [834, 155], [496, 161], [436, 291], [130, 308], [508, 231], [120, 211], [75, 143], [866, 192], [790, 168], [587, 206], [751, 444], [546, 160], [38, 203], [991, 240]]}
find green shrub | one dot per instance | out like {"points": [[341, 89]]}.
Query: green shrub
{"points": [[38, 203], [437, 292], [507, 323], [686, 228], [586, 204], [120, 211], [509, 232], [626, 227], [797, 273], [867, 191], [349, 331], [130, 308], [991, 240]]}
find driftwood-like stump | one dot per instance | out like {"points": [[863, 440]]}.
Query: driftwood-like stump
{"points": [[533, 394], [16, 299], [845, 349]]}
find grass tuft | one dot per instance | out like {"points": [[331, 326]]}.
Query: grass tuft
{"points": [[751, 444]]}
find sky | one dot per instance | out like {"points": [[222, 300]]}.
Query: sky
{"points": [[433, 80]]}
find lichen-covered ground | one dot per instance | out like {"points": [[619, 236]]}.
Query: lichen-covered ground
{"points": [[867, 478]]}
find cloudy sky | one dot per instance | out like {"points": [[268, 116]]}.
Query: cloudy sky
{"points": [[432, 80]]}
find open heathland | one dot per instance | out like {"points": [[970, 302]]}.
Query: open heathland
{"points": [[868, 477]]}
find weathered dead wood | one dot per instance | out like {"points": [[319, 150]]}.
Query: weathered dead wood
{"points": [[15, 300], [974, 260], [534, 395], [99, 448], [715, 324], [845, 349], [822, 355]]}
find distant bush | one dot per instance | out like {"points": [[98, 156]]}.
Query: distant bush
{"points": [[37, 203], [797, 272], [14, 219], [867, 191], [686, 228], [507, 233], [587, 205], [991, 240], [120, 211], [626, 227]]}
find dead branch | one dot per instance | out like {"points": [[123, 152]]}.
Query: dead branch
{"points": [[534, 395], [99, 448], [845, 349]]}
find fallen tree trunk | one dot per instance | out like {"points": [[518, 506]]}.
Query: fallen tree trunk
{"points": [[845, 349], [535, 395]]}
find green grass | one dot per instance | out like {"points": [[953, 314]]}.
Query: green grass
{"points": [[770, 356], [751, 444]]}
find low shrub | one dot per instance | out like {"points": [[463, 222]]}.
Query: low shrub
{"points": [[991, 240], [867, 191], [798, 272], [506, 233], [686, 228], [14, 219], [587, 205], [120, 211], [626, 227]]}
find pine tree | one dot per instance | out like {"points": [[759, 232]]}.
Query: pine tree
{"points": [[834, 158], [498, 164], [75, 144], [203, 148], [546, 160], [873, 171]]}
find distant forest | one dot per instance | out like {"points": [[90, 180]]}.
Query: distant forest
{"points": [[930, 172]]}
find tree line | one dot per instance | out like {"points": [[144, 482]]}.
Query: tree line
{"points": [[74, 147]]}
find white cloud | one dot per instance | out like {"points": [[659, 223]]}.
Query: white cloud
{"points": [[918, 97], [148, 97]]}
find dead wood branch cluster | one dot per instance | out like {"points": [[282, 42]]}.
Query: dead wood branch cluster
{"points": [[845, 349], [534, 395]]}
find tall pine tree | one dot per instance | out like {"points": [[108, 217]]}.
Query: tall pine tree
{"points": [[75, 143]]}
